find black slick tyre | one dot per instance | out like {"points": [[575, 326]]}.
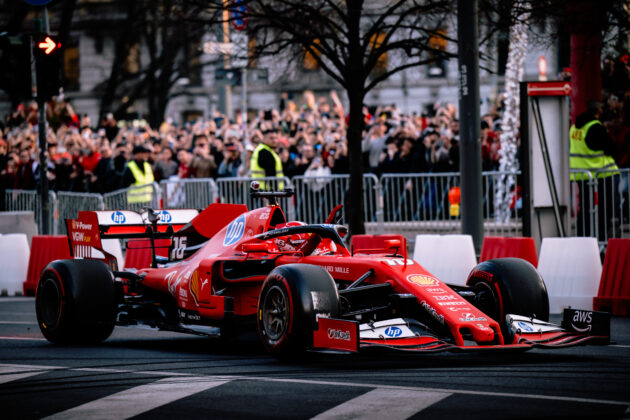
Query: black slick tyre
{"points": [[291, 299], [509, 286], [76, 302]]}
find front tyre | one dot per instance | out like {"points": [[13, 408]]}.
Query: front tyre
{"points": [[76, 302], [509, 286], [291, 299]]}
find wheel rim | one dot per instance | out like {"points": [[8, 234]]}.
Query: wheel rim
{"points": [[275, 313], [50, 302]]}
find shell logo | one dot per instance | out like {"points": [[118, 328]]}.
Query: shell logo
{"points": [[422, 280]]}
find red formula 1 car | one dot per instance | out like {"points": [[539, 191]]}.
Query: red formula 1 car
{"points": [[229, 267]]}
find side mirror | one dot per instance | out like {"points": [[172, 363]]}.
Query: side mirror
{"points": [[341, 230], [392, 243]]}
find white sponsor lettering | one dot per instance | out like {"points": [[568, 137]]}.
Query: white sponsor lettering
{"points": [[467, 316], [77, 236], [451, 303], [338, 334], [583, 316], [83, 226], [336, 269], [447, 297], [436, 290]]}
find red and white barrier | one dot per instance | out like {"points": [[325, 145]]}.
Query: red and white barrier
{"points": [[14, 255], [517, 247], [614, 287], [450, 258], [44, 249], [571, 269]]}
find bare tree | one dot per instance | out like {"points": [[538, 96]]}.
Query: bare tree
{"points": [[349, 40], [165, 30]]}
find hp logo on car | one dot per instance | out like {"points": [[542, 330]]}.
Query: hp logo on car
{"points": [[235, 231], [118, 217], [393, 332], [165, 217]]}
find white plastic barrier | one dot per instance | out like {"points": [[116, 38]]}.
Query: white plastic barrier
{"points": [[14, 255], [450, 258], [571, 269]]}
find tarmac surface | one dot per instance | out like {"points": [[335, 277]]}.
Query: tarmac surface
{"points": [[150, 374]]}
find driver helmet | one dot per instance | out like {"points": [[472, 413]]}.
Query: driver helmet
{"points": [[290, 242]]}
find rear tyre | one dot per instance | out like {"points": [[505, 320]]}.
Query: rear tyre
{"points": [[509, 286], [290, 301], [76, 302]]}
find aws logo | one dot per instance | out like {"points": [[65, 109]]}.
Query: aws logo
{"points": [[422, 280]]}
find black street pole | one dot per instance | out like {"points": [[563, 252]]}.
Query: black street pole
{"points": [[470, 148], [43, 147]]}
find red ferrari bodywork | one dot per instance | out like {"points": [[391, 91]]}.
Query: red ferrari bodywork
{"points": [[223, 277]]}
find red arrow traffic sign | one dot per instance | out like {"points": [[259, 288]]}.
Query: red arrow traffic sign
{"points": [[48, 45]]}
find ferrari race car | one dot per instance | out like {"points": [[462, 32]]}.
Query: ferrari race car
{"points": [[229, 268]]}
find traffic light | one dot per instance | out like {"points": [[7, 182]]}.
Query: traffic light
{"points": [[15, 72], [47, 51]]}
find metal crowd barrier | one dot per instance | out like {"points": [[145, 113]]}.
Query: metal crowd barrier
{"points": [[29, 200], [236, 191], [405, 203], [609, 215], [132, 198], [196, 193], [69, 204], [316, 196], [582, 218], [419, 203]]}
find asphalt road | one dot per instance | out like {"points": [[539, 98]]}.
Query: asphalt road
{"points": [[160, 375]]}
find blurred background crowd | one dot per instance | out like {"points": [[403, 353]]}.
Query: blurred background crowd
{"points": [[92, 156]]}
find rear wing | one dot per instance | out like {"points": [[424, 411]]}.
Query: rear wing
{"points": [[86, 232]]}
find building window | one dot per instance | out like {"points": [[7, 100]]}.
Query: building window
{"points": [[437, 44], [71, 65]]}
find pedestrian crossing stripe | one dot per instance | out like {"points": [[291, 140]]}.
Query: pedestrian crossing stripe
{"points": [[390, 401]]}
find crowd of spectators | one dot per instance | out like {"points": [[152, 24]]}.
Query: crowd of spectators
{"points": [[84, 156]]}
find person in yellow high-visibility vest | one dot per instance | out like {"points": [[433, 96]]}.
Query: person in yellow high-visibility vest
{"points": [[591, 148], [265, 162], [139, 172]]}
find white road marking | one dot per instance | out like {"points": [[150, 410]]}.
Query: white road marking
{"points": [[442, 390], [16, 299], [142, 372], [392, 404], [23, 338], [228, 378], [619, 345], [9, 373], [140, 399], [17, 323]]}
